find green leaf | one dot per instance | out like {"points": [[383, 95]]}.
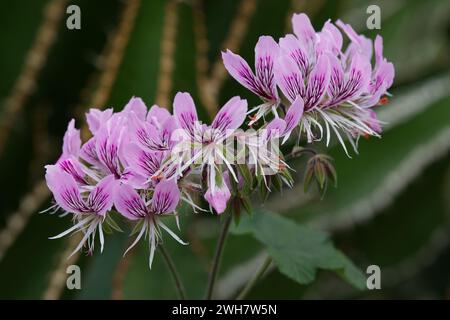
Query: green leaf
{"points": [[299, 251]]}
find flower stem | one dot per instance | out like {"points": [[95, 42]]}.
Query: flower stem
{"points": [[218, 256], [174, 272], [251, 283]]}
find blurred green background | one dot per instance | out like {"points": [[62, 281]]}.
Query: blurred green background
{"points": [[392, 204]]}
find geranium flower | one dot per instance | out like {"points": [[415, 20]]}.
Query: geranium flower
{"points": [[148, 210], [89, 204]]}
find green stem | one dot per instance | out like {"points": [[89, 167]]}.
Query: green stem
{"points": [[251, 283], [174, 272], [218, 256]]}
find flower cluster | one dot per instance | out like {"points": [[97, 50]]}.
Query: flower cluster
{"points": [[337, 86], [144, 163]]}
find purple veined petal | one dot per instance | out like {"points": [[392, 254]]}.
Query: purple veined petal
{"points": [[71, 141], [358, 75], [352, 84], [317, 83], [218, 198], [108, 151], [274, 129], [89, 153], [289, 78], [166, 197], [304, 30], [143, 162], [266, 52], [293, 116], [108, 141], [65, 190], [291, 46], [74, 168], [95, 118], [381, 81], [137, 106], [101, 198], [132, 178], [337, 80], [129, 203], [384, 71], [168, 128], [185, 112], [231, 115], [146, 134], [157, 115], [239, 69]]}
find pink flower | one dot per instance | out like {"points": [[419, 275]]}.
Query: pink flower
{"points": [[205, 144], [135, 206], [88, 204]]}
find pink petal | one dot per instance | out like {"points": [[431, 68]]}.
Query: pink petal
{"points": [[101, 198], [239, 69], [65, 190], [184, 111], [355, 81], [317, 83], [291, 46], [303, 29], [231, 115], [129, 203], [142, 162], [382, 80], [167, 131], [89, 153], [293, 115], [166, 197], [275, 128], [73, 167], [137, 106], [333, 36], [95, 118], [289, 78], [146, 134], [349, 31], [378, 47], [108, 143], [157, 115], [71, 141], [266, 52], [359, 43], [337, 81], [135, 180]]}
